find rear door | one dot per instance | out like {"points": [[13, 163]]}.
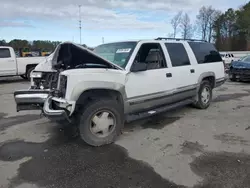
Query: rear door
{"points": [[183, 69], [7, 62]]}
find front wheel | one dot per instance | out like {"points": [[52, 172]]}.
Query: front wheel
{"points": [[101, 122], [232, 77], [204, 95]]}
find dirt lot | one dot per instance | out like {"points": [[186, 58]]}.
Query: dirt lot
{"points": [[183, 148]]}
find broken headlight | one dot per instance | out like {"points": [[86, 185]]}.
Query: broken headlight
{"points": [[36, 74], [62, 86]]}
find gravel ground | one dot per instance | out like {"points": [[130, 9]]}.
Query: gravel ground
{"points": [[182, 148]]}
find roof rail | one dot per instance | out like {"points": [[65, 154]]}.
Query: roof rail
{"points": [[179, 39]]}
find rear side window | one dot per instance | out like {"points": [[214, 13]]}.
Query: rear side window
{"points": [[178, 54], [205, 52], [4, 53]]}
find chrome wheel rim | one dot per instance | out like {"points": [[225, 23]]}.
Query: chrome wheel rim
{"points": [[102, 123], [205, 95]]}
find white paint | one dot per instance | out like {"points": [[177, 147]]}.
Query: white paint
{"points": [[12, 66]]}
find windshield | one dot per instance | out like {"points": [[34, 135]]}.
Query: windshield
{"points": [[245, 58], [118, 53]]}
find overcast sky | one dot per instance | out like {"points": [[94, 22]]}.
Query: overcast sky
{"points": [[112, 19]]}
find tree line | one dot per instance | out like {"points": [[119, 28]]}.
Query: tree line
{"points": [[229, 30], [35, 45]]}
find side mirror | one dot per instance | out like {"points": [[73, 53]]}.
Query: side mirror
{"points": [[138, 66]]}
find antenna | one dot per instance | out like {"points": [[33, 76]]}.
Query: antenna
{"points": [[80, 24]]}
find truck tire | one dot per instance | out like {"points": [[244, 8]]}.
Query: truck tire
{"points": [[24, 77], [204, 95], [101, 122], [28, 72], [232, 78]]}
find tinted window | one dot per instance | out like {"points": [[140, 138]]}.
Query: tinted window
{"points": [[178, 54], [4, 53], [205, 52]]}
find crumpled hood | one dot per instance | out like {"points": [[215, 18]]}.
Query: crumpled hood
{"points": [[45, 65], [240, 65], [51, 62]]}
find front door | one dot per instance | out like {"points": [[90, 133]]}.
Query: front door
{"points": [[150, 88]]}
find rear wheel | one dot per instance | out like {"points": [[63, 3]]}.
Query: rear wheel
{"points": [[28, 73], [204, 95], [24, 77], [101, 122]]}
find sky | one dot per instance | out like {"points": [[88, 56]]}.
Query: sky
{"points": [[111, 20]]}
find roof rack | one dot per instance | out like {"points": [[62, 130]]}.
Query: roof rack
{"points": [[179, 39]]}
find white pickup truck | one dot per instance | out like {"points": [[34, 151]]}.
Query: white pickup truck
{"points": [[120, 82], [10, 65]]}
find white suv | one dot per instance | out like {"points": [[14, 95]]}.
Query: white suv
{"points": [[124, 81]]}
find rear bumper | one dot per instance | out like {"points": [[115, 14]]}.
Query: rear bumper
{"points": [[32, 99]]}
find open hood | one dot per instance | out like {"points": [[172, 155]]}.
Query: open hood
{"points": [[69, 55]]}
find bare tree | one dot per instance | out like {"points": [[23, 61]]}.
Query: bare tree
{"points": [[187, 28], [175, 22], [205, 20], [215, 14]]}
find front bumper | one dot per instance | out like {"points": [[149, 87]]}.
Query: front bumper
{"points": [[242, 74], [32, 99], [58, 109]]}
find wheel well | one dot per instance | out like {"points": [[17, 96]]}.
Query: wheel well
{"points": [[94, 94], [30, 66], [211, 79]]}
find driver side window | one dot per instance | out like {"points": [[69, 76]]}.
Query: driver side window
{"points": [[152, 55]]}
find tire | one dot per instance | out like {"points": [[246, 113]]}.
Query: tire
{"points": [[29, 72], [200, 103], [92, 115], [233, 78], [24, 77]]}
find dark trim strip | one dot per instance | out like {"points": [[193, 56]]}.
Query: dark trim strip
{"points": [[161, 97], [162, 92]]}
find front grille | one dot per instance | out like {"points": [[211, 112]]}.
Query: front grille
{"points": [[48, 81]]}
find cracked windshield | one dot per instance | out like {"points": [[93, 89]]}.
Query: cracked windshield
{"points": [[124, 94]]}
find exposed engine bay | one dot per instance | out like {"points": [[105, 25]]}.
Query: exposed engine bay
{"points": [[67, 56]]}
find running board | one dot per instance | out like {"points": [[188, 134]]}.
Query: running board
{"points": [[137, 116]]}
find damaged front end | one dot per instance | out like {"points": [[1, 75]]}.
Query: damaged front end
{"points": [[240, 71], [45, 77]]}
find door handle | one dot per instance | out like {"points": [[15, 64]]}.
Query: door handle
{"points": [[192, 70], [169, 74], [10, 60]]}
